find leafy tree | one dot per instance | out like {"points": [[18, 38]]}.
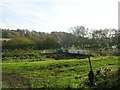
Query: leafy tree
{"points": [[51, 43], [79, 31], [66, 39], [18, 42]]}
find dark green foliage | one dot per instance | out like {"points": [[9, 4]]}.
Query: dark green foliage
{"points": [[107, 79], [18, 43], [98, 41]]}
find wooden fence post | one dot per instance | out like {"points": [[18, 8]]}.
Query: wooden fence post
{"points": [[91, 74]]}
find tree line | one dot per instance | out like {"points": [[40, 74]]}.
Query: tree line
{"points": [[79, 37]]}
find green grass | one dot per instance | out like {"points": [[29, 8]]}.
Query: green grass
{"points": [[53, 73]]}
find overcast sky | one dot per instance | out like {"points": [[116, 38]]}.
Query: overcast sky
{"points": [[58, 15]]}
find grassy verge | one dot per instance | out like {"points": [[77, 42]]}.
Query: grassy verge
{"points": [[54, 73]]}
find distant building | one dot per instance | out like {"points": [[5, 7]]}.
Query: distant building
{"points": [[4, 39], [78, 52]]}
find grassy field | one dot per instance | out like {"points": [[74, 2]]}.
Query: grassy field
{"points": [[72, 73]]}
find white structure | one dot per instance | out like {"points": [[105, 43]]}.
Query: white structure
{"points": [[78, 52], [4, 39]]}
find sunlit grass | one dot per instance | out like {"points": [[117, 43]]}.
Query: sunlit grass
{"points": [[57, 73]]}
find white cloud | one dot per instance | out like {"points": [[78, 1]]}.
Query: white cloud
{"points": [[24, 9], [59, 15]]}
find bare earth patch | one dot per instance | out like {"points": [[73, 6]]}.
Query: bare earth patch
{"points": [[14, 81]]}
